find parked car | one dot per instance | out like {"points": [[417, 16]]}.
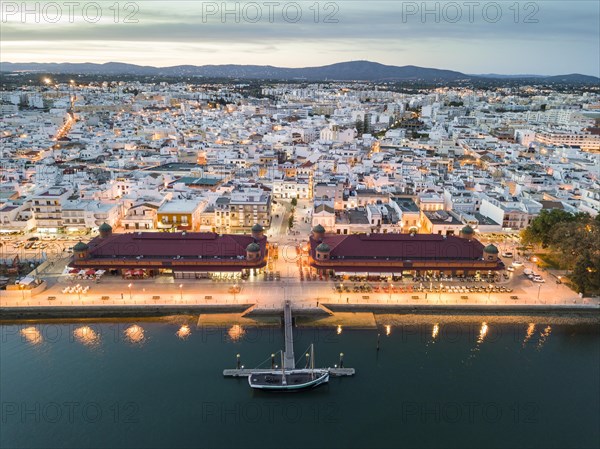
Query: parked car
{"points": [[538, 279], [517, 263], [510, 269], [507, 255]]}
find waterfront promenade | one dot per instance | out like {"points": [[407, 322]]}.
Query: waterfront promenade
{"points": [[166, 295]]}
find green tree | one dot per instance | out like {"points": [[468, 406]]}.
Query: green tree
{"points": [[360, 127], [540, 230], [294, 202], [586, 274]]}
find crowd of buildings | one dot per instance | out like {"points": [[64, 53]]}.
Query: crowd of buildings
{"points": [[212, 159]]}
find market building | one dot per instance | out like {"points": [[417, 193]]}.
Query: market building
{"points": [[182, 254], [406, 254]]}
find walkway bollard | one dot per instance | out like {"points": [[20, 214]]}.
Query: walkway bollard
{"points": [[238, 364], [341, 359], [272, 361]]}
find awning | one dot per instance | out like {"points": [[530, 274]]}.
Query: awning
{"points": [[26, 281], [90, 272]]}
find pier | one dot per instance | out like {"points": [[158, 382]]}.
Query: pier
{"points": [[289, 362], [245, 372]]}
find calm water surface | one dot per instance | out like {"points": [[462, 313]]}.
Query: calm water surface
{"points": [[160, 385]]}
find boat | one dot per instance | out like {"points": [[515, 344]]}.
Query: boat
{"points": [[291, 379]]}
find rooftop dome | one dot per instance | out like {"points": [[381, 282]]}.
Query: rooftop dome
{"points": [[491, 249], [323, 248], [257, 228], [319, 229], [105, 227], [80, 247], [467, 230], [253, 247]]}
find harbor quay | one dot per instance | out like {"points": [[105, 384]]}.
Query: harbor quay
{"points": [[113, 296], [149, 274]]}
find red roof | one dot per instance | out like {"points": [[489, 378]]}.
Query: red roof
{"points": [[400, 246], [170, 245]]}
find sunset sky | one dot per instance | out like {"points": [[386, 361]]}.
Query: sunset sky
{"points": [[544, 37]]}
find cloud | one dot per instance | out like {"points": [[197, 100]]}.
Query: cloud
{"points": [[566, 30]]}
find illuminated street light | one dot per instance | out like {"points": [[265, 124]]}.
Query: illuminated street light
{"points": [[181, 291], [130, 285]]}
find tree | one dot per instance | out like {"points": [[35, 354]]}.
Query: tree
{"points": [[360, 127], [294, 202], [586, 274], [540, 230], [575, 239]]}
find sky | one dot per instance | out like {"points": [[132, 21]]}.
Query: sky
{"points": [[475, 37]]}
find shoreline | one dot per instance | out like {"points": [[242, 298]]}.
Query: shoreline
{"points": [[40, 314]]}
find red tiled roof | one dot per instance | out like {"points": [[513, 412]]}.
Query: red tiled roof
{"points": [[400, 246], [169, 245]]}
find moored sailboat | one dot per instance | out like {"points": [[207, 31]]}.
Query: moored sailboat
{"points": [[290, 379]]}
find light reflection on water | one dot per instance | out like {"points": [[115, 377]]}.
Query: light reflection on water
{"points": [[87, 336], [32, 335], [182, 365], [236, 332], [543, 337], [135, 334], [529, 334], [184, 332]]}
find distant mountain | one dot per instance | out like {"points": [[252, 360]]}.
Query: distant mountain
{"points": [[573, 78], [343, 71], [570, 78]]}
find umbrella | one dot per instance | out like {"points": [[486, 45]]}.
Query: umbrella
{"points": [[90, 272]]}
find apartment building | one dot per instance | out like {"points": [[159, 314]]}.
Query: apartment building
{"points": [[47, 209], [242, 209]]}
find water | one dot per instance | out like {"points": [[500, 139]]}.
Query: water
{"points": [[92, 385]]}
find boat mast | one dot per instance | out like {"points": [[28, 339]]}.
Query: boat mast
{"points": [[283, 382]]}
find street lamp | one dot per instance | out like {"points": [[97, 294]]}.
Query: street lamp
{"points": [[181, 291], [440, 297], [391, 287], [490, 292], [22, 287], [130, 285], [235, 287], [539, 290]]}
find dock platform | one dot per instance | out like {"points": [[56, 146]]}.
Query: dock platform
{"points": [[289, 362], [334, 372]]}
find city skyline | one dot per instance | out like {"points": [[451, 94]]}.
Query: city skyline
{"points": [[544, 38]]}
